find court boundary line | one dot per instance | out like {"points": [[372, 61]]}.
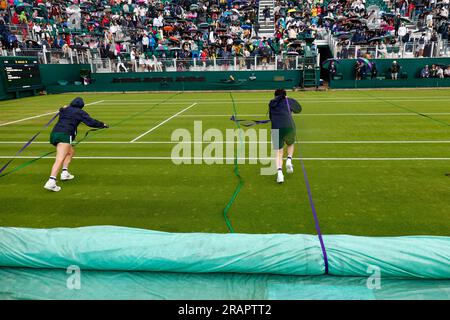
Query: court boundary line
{"points": [[405, 98], [43, 115], [323, 114], [255, 142], [161, 123], [246, 158]]}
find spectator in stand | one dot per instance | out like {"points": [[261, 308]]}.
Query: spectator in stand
{"points": [[332, 69], [382, 50], [397, 23], [266, 13], [440, 72], [358, 70], [373, 70], [420, 48], [447, 72], [402, 32], [395, 69], [120, 63], [425, 73], [433, 71]]}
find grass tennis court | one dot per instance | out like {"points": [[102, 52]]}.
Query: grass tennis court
{"points": [[376, 161]]}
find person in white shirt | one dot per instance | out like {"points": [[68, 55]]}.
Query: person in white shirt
{"points": [[429, 20], [292, 34], [158, 22], [113, 28], [382, 50], [145, 42], [402, 31], [120, 64], [447, 72]]}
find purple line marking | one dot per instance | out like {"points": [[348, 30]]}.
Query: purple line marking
{"points": [[28, 143], [313, 209]]}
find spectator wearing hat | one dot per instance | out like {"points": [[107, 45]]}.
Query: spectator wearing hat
{"points": [[395, 69], [425, 73]]}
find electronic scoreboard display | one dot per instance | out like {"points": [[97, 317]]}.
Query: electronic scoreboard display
{"points": [[21, 74]]}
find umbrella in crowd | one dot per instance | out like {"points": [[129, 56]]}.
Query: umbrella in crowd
{"points": [[344, 35], [423, 29], [162, 48], [382, 38], [388, 14], [327, 62], [405, 19], [354, 20], [365, 62], [23, 6]]}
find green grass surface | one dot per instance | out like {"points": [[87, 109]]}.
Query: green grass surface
{"points": [[381, 195]]}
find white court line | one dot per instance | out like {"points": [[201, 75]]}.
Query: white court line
{"points": [[253, 142], [168, 119], [230, 159], [299, 98], [29, 118], [43, 115], [323, 114]]}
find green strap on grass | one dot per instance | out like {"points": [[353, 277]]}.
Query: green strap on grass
{"points": [[236, 172], [93, 131]]}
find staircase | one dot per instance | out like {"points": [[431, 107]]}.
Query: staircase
{"points": [[310, 72], [269, 29]]}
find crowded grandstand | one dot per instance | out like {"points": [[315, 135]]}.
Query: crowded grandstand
{"points": [[143, 35]]}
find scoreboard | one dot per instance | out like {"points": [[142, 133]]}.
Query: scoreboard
{"points": [[21, 74]]}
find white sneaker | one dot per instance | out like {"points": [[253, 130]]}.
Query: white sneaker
{"points": [[280, 176], [51, 185], [65, 175], [289, 166]]}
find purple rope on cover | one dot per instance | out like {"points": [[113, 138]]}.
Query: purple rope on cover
{"points": [[28, 143], [316, 220], [313, 208]]}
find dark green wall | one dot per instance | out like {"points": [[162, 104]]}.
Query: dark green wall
{"points": [[401, 83], [411, 66], [176, 81], [216, 80], [52, 73]]}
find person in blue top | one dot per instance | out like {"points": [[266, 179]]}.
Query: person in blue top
{"points": [[62, 136], [283, 129]]}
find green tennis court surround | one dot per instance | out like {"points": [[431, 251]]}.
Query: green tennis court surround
{"points": [[377, 164]]}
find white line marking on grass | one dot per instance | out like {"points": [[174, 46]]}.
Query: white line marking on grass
{"points": [[42, 115], [29, 118], [96, 102], [322, 114], [224, 158], [331, 103], [254, 142], [299, 98], [157, 126]]}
